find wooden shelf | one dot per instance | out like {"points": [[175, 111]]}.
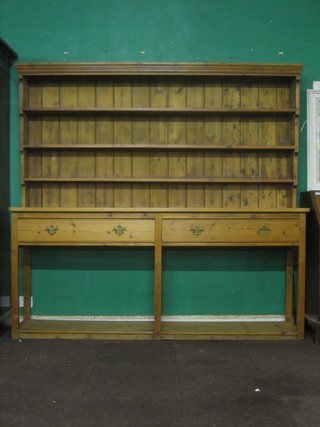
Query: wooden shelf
{"points": [[228, 330], [148, 180], [157, 111], [86, 329], [144, 330], [161, 147]]}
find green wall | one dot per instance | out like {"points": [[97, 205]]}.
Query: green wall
{"points": [[152, 30]]}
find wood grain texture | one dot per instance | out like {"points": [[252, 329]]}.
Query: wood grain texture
{"points": [[158, 155], [47, 227], [231, 128]]}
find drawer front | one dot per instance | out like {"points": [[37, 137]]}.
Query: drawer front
{"points": [[69, 231], [223, 230]]}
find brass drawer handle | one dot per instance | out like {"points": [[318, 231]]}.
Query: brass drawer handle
{"points": [[263, 230], [196, 230], [52, 230], [119, 230]]}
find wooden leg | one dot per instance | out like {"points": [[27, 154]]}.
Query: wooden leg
{"points": [[157, 281], [27, 283], [14, 280], [289, 285]]}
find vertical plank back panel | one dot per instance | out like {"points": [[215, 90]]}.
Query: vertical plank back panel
{"points": [[250, 161], [104, 97], [50, 135], [231, 97], [267, 136], [51, 195], [86, 135], [105, 195], [177, 134], [31, 163], [122, 135], [213, 92], [286, 163], [195, 135], [250, 115], [140, 136], [159, 129], [159, 93], [34, 195], [159, 195], [104, 134], [69, 135]]}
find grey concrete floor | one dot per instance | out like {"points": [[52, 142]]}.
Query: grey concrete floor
{"points": [[166, 384]]}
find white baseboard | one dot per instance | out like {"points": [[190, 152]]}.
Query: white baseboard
{"points": [[5, 302], [209, 318]]}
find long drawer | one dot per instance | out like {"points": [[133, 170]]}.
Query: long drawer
{"points": [[225, 230], [71, 231]]}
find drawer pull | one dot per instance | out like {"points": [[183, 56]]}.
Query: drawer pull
{"points": [[263, 230], [119, 231], [52, 230], [196, 230]]}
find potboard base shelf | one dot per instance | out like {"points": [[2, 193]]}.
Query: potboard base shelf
{"points": [[229, 330], [49, 329]]}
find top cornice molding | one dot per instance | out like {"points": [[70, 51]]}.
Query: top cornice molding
{"points": [[159, 68]]}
